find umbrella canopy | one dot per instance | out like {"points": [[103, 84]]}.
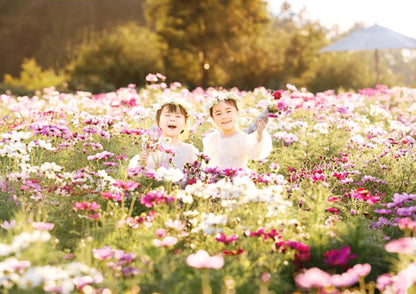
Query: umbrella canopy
{"points": [[372, 38]]}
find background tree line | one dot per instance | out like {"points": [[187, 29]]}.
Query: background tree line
{"points": [[101, 45]]}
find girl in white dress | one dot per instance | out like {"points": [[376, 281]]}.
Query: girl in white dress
{"points": [[229, 147], [171, 118]]}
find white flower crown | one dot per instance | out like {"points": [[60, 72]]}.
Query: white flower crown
{"points": [[173, 101], [219, 98]]}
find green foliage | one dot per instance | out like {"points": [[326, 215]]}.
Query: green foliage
{"points": [[341, 70], [50, 30], [33, 78], [124, 55]]}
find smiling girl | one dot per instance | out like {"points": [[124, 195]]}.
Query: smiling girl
{"points": [[229, 147], [171, 118]]}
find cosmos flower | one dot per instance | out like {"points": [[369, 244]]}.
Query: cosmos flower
{"points": [[202, 259]]}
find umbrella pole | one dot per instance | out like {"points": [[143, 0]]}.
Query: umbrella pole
{"points": [[376, 59]]}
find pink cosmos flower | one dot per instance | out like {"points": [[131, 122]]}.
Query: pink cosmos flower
{"points": [[201, 260], [8, 225], [313, 278], [274, 166], [344, 280], [82, 281], [109, 195], [43, 226], [160, 232], [88, 206], [406, 223], [18, 266], [223, 239], [103, 253], [166, 242], [176, 224], [405, 245], [94, 216], [360, 269], [265, 277], [53, 289], [383, 281], [121, 157], [127, 186]]}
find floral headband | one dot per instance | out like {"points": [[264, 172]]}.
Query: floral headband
{"points": [[220, 98], [173, 101]]}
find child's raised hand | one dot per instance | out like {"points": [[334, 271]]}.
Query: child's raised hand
{"points": [[261, 125]]}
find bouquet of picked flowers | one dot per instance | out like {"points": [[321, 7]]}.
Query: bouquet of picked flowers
{"points": [[275, 107]]}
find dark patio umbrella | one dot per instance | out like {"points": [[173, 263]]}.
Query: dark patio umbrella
{"points": [[372, 38]]}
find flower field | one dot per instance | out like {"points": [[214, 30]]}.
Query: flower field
{"points": [[331, 210]]}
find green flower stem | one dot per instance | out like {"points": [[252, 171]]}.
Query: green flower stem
{"points": [[264, 288], [132, 204], [206, 287], [362, 285]]}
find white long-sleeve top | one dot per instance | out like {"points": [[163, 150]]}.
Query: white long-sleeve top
{"points": [[235, 151]]}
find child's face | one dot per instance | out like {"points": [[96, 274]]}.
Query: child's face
{"points": [[171, 123], [225, 116]]}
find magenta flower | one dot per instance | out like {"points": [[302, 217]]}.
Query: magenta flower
{"points": [[313, 278], [88, 206], [127, 186], [223, 239], [43, 226], [201, 260], [339, 256], [405, 245], [109, 195], [166, 242], [233, 252], [153, 197]]}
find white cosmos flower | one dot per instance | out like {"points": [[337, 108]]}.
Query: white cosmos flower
{"points": [[321, 128], [291, 87], [41, 143], [185, 196], [17, 136], [5, 250], [169, 174]]}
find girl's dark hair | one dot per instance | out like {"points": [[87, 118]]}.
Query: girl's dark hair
{"points": [[231, 102], [171, 108]]}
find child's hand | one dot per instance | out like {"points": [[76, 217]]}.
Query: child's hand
{"points": [[143, 157], [261, 125]]}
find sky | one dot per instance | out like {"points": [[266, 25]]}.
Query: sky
{"points": [[397, 15]]}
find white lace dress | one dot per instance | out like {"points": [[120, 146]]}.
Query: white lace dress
{"points": [[236, 150], [183, 153]]}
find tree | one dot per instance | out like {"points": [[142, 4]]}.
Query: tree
{"points": [[125, 55], [203, 35]]}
